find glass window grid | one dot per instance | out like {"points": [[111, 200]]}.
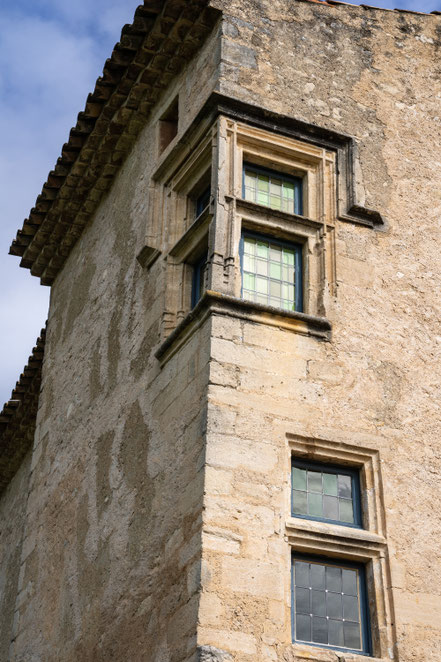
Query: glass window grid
{"points": [[273, 189], [353, 474], [277, 278], [332, 609]]}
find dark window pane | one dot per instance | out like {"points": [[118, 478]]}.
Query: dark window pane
{"points": [[352, 635], [330, 507], [346, 510], [315, 506], [299, 504], [314, 481], [303, 627], [318, 600], [344, 486], [333, 605], [317, 576], [349, 582], [299, 478], [302, 574], [303, 600], [335, 630], [319, 630], [330, 484], [333, 579], [350, 608]]}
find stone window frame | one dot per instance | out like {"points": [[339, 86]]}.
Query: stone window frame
{"points": [[240, 144], [366, 546]]}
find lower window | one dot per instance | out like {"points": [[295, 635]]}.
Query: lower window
{"points": [[271, 271], [329, 605]]}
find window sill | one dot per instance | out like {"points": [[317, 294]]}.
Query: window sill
{"points": [[223, 304], [312, 654]]}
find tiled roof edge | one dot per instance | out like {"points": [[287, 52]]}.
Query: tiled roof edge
{"points": [[19, 414], [164, 35]]}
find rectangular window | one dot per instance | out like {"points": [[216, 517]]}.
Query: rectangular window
{"points": [[198, 282], [203, 201], [272, 189], [329, 605], [271, 272], [327, 493]]}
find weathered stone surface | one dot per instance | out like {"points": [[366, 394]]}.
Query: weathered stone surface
{"points": [[152, 519]]}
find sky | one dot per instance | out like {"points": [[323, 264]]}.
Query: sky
{"points": [[51, 53]]}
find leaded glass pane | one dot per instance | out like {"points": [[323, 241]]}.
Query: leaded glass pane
{"points": [[271, 190], [315, 507], [344, 486], [346, 510], [330, 507], [314, 481], [335, 614], [272, 267], [300, 502], [299, 478], [330, 484]]}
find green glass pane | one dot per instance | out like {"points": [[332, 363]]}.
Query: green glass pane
{"points": [[288, 292], [276, 186], [315, 508], [302, 574], [288, 189], [261, 285], [263, 183], [318, 603], [276, 302], [275, 253], [262, 267], [330, 507], [248, 263], [275, 288], [288, 206], [250, 179], [288, 274], [261, 298], [288, 256], [250, 194], [352, 636], [299, 478], [249, 246], [262, 249], [249, 281], [263, 198], [287, 305], [299, 503], [314, 481], [275, 202], [330, 484], [275, 270], [350, 586], [346, 510], [344, 486], [249, 296]]}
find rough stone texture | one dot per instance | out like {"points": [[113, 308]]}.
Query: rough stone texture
{"points": [[156, 523]]}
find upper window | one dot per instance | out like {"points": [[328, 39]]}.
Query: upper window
{"points": [[272, 189], [327, 493], [330, 605]]}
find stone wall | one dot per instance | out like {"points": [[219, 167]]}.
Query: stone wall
{"points": [[372, 74]]}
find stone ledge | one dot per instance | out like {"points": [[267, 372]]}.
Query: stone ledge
{"points": [[224, 304], [299, 652]]}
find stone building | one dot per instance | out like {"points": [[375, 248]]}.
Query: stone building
{"points": [[226, 445]]}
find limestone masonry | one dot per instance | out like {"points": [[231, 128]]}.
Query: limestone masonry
{"points": [[230, 448]]}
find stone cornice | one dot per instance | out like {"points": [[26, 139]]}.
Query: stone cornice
{"points": [[18, 417], [164, 35]]}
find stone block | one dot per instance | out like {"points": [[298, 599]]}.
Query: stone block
{"points": [[253, 578]]}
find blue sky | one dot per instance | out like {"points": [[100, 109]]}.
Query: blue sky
{"points": [[51, 52]]}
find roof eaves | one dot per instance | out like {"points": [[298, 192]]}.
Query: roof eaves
{"points": [[18, 416]]}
